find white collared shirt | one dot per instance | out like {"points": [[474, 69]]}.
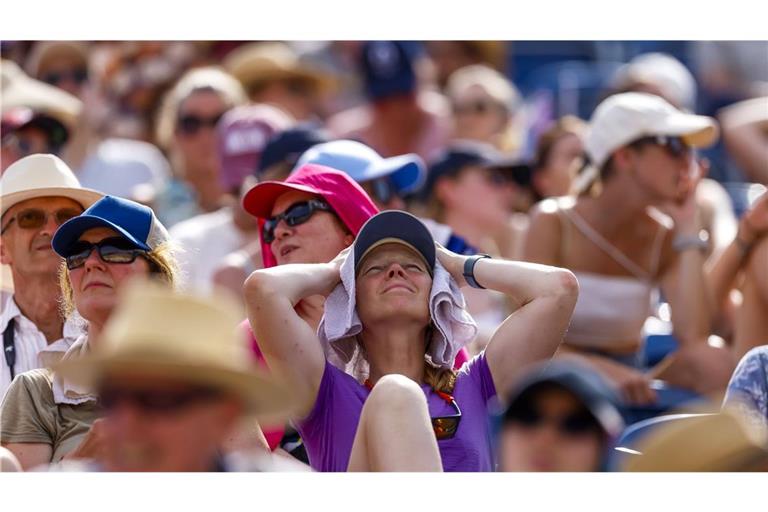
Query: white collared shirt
{"points": [[32, 349]]}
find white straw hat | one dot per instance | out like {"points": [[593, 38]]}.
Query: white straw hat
{"points": [[42, 175]]}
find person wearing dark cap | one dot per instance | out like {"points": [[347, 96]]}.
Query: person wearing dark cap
{"points": [[393, 307], [561, 417], [400, 117], [284, 149]]}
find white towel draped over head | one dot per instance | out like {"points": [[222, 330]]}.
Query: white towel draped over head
{"points": [[341, 324]]}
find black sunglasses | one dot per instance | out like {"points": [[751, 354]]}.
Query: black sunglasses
{"points": [[56, 77], [155, 401], [675, 146], [35, 218], [574, 424], [296, 214], [190, 124], [477, 107], [445, 427], [111, 250]]}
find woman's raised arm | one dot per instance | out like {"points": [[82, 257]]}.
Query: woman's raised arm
{"points": [[290, 346], [547, 296]]}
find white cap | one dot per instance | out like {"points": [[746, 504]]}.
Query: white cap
{"points": [[673, 80], [623, 118]]}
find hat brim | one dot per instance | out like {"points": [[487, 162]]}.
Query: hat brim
{"points": [[252, 76], [407, 171], [86, 197], [69, 232], [260, 200], [395, 226], [270, 400], [696, 131]]}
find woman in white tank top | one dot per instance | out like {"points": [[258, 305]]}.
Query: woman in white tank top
{"points": [[622, 248]]}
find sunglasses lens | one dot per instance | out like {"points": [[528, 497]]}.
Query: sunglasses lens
{"points": [[30, 219], [190, 124], [78, 255], [445, 428], [268, 232], [112, 254], [154, 401], [63, 216], [578, 424], [298, 214]]}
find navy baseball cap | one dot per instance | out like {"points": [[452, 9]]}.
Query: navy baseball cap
{"points": [[590, 389], [288, 145], [467, 153], [362, 163], [387, 68], [395, 226], [133, 221]]}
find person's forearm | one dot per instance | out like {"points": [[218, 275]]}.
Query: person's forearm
{"points": [[524, 282], [692, 321], [722, 273], [294, 282]]}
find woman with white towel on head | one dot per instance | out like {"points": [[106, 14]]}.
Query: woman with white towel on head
{"points": [[380, 393]]}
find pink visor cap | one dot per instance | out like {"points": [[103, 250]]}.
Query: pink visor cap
{"points": [[348, 200]]}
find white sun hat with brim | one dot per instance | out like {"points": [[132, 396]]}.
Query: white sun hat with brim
{"points": [[156, 332], [42, 175], [624, 118], [19, 90]]}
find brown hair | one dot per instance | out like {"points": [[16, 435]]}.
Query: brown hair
{"points": [[441, 379], [162, 267]]}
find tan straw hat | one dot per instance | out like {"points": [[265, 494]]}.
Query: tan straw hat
{"points": [[255, 63], [42, 175], [156, 331], [19, 90], [711, 442]]}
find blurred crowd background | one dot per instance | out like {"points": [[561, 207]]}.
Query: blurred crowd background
{"points": [[187, 127]]}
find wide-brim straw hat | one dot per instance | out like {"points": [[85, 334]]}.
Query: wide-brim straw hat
{"points": [[19, 90], [42, 175], [155, 331], [256, 63]]}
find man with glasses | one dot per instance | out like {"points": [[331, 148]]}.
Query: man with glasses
{"points": [[38, 194]]}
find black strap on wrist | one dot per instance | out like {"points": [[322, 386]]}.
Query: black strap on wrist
{"points": [[469, 270], [9, 347]]}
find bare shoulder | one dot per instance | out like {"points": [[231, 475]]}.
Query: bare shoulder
{"points": [[542, 241]]}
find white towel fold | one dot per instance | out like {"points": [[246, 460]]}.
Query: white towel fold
{"points": [[341, 324], [64, 391]]}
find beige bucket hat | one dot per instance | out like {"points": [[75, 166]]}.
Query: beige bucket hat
{"points": [[42, 175], [256, 63], [156, 331]]}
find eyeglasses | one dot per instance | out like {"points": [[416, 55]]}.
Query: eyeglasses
{"points": [[574, 424], [191, 124], [78, 76], [111, 250], [25, 146], [155, 401], [675, 146], [296, 214], [497, 177], [445, 427], [34, 218]]}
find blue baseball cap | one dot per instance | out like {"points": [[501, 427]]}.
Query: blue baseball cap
{"points": [[387, 68], [363, 163], [135, 222], [288, 145]]}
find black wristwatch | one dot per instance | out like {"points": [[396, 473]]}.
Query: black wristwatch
{"points": [[469, 270]]}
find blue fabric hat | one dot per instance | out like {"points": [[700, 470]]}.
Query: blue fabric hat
{"points": [[387, 69], [135, 222], [363, 163], [287, 146]]}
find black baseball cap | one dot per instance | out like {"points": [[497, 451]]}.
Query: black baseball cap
{"points": [[466, 154], [387, 69], [592, 391], [395, 226], [287, 146]]}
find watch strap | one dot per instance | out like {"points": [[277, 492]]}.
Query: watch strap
{"points": [[469, 270]]}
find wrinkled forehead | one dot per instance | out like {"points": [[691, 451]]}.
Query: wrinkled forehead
{"points": [[289, 198]]}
